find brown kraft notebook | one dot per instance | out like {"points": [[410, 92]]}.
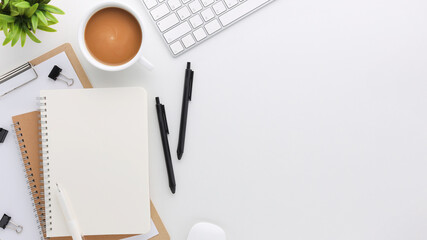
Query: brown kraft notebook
{"points": [[27, 133]]}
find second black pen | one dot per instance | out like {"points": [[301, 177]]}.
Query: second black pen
{"points": [[164, 131]]}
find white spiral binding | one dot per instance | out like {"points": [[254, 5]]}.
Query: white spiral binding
{"points": [[45, 159], [27, 168]]}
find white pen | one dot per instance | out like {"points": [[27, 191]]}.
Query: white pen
{"points": [[73, 226]]}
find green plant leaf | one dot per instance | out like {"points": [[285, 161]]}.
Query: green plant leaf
{"points": [[5, 29], [42, 24], [10, 36], [31, 35], [17, 35], [41, 17], [5, 2], [23, 4], [34, 22], [49, 22], [9, 26], [21, 11], [23, 38], [7, 18], [7, 40], [51, 9], [46, 28], [30, 12], [14, 13], [51, 17]]}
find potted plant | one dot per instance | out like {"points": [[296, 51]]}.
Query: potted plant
{"points": [[21, 18]]}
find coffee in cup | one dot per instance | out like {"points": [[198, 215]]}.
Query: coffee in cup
{"points": [[111, 37]]}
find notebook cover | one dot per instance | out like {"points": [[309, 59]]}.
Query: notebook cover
{"points": [[89, 152], [26, 129], [27, 132]]}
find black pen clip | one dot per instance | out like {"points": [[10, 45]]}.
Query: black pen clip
{"points": [[164, 118], [190, 85]]}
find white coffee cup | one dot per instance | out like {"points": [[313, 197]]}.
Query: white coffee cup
{"points": [[138, 57]]}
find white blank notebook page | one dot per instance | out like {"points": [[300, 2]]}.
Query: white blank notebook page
{"points": [[98, 152]]}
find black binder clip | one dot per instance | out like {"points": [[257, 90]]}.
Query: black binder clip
{"points": [[6, 223], [3, 134], [56, 74]]}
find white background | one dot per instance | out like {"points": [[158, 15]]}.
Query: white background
{"points": [[308, 120]]}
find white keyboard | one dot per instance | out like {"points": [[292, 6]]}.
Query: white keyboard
{"points": [[184, 24]]}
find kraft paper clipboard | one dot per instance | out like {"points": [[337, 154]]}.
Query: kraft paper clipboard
{"points": [[30, 133], [9, 85]]}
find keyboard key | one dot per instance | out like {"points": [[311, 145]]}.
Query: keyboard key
{"points": [[188, 40], [185, 1], [174, 4], [160, 11], [177, 32], [231, 3], [196, 21], [195, 6], [219, 7], [150, 3], [207, 14], [212, 26], [176, 47], [183, 13], [207, 2], [241, 10], [168, 22], [199, 34]]}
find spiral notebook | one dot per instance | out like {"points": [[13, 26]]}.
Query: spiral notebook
{"points": [[103, 168], [27, 132]]}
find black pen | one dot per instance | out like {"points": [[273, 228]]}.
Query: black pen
{"points": [[164, 131], [188, 88]]}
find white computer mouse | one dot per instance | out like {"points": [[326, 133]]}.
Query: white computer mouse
{"points": [[206, 231]]}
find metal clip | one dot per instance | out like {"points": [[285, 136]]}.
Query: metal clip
{"points": [[6, 223], [56, 74], [14, 226], [15, 72]]}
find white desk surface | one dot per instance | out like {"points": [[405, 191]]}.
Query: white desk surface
{"points": [[308, 120]]}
